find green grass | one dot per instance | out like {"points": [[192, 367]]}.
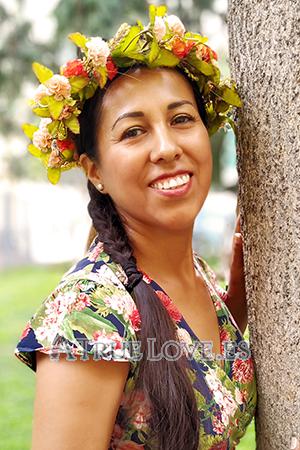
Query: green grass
{"points": [[21, 292]]}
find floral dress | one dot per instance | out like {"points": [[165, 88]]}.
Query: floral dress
{"points": [[90, 312]]}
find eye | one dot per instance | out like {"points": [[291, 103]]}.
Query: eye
{"points": [[131, 133], [183, 118]]}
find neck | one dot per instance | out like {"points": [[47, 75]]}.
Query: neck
{"points": [[163, 254]]}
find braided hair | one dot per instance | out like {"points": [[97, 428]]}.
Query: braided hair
{"points": [[174, 420]]}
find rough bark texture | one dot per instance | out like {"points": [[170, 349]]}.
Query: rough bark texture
{"points": [[264, 40]]}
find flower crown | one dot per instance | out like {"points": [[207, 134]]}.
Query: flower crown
{"points": [[164, 42]]}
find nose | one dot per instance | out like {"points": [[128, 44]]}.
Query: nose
{"points": [[164, 147]]}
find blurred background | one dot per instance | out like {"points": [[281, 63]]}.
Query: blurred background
{"points": [[44, 228]]}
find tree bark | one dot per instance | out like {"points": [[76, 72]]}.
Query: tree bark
{"points": [[264, 42]]}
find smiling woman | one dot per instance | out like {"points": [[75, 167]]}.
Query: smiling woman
{"points": [[140, 295]]}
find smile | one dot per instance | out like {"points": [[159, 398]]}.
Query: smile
{"points": [[175, 186]]}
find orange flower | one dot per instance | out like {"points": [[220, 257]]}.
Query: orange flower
{"points": [[205, 53], [180, 48], [74, 68]]}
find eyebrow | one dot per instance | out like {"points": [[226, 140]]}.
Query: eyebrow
{"points": [[141, 114]]}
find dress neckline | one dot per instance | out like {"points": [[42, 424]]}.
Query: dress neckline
{"points": [[198, 267]]}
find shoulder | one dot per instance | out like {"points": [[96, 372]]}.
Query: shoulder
{"points": [[221, 292], [89, 307]]}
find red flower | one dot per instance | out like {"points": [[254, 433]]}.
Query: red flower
{"points": [[243, 370], [74, 68], [66, 144], [111, 68], [135, 320], [169, 305], [180, 48]]}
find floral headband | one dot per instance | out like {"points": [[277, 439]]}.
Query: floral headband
{"points": [[164, 42]]}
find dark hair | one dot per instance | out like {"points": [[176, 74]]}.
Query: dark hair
{"points": [[174, 421]]}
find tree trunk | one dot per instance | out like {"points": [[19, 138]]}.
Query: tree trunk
{"points": [[264, 43]]}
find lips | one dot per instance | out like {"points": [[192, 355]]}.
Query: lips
{"points": [[165, 176]]}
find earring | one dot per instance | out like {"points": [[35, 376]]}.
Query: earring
{"points": [[100, 187]]}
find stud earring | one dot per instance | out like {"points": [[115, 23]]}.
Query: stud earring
{"points": [[100, 187]]}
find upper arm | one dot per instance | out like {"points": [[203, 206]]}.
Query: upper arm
{"points": [[76, 403]]}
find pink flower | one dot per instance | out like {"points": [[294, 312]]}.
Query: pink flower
{"points": [[40, 93], [224, 336], [243, 370], [55, 159], [97, 250], [175, 25], [82, 301], [169, 305], [101, 336], [159, 28], [98, 51], [59, 86], [218, 426], [42, 139]]}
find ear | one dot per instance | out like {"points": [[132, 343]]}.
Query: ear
{"points": [[91, 169]]}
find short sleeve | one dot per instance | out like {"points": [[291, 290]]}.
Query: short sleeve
{"points": [[91, 316]]}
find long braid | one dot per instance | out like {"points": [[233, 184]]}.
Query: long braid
{"points": [[174, 421], [174, 418]]}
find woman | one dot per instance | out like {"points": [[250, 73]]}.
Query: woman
{"points": [[143, 142]]}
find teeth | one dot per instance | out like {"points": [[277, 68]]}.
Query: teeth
{"points": [[172, 183]]}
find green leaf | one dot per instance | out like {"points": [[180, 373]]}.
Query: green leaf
{"points": [[130, 41], [61, 131], [230, 96], [73, 124], [102, 71], [165, 58], [42, 112], [53, 175], [90, 90], [83, 322], [197, 37], [79, 39], [78, 83], [55, 107], [34, 150], [152, 13], [29, 129], [154, 51], [203, 67], [53, 127], [41, 72]]}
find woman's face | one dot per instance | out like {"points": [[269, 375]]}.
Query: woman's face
{"points": [[154, 150]]}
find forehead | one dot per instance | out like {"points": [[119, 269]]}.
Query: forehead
{"points": [[143, 88]]}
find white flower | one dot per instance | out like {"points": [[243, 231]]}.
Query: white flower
{"points": [[175, 25], [98, 51], [41, 92], [59, 86], [159, 28]]}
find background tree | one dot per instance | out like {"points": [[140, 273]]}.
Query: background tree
{"points": [[264, 53]]}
